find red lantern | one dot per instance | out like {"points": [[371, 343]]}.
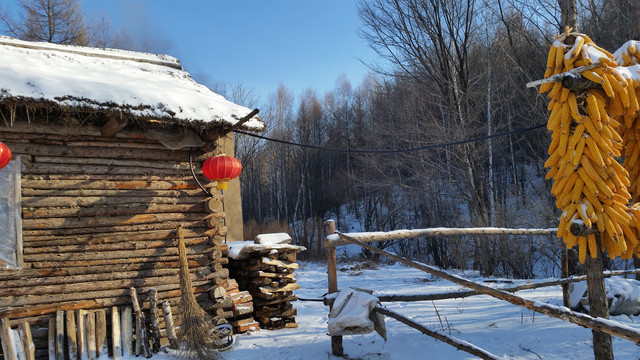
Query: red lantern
{"points": [[5, 155], [221, 168]]}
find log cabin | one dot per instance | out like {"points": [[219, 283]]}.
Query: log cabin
{"points": [[101, 178]]}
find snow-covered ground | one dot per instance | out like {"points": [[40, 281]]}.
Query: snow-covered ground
{"points": [[496, 326]]}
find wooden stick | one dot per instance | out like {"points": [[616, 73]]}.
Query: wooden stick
{"points": [[126, 329], [579, 319], [24, 329], [116, 337], [139, 325], [457, 343], [52, 340], [102, 348], [72, 344], [559, 77], [81, 334], [168, 324], [155, 326], [8, 349], [330, 228], [60, 334], [598, 307], [90, 327]]}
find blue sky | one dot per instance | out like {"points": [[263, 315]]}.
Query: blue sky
{"points": [[302, 44]]}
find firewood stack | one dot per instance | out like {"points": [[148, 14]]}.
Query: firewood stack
{"points": [[265, 269]]}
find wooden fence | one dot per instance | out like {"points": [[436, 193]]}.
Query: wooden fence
{"points": [[335, 239]]}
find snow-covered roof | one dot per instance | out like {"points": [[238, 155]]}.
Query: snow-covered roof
{"points": [[141, 85]]}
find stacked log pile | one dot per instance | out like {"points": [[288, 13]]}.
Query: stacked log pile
{"points": [[99, 217], [266, 272]]}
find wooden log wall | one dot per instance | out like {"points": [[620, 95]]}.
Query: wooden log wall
{"points": [[99, 217]]}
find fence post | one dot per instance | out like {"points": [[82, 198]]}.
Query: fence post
{"points": [[598, 307], [332, 273]]}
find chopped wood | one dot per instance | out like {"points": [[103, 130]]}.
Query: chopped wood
{"points": [[138, 320], [24, 330]]}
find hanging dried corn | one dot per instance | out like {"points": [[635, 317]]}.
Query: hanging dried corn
{"points": [[589, 183]]}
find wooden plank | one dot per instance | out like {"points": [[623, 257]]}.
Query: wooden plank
{"points": [[81, 335], [72, 344], [51, 340], [126, 329], [71, 223], [138, 320], [112, 237], [8, 349], [44, 212], [117, 228], [116, 337], [60, 335], [102, 348], [168, 323], [105, 184], [90, 331], [24, 330]]}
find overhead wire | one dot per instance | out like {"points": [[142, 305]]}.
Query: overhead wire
{"points": [[393, 151]]}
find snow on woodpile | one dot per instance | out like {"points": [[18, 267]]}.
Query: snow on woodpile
{"points": [[240, 250], [139, 84], [623, 296]]}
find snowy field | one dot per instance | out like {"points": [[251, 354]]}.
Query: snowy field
{"points": [[496, 326]]}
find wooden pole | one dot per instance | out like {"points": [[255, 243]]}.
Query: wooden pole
{"points": [[81, 334], [51, 341], [566, 294], [155, 327], [608, 327], [139, 323], [602, 347], [90, 328], [330, 228], [458, 344]]}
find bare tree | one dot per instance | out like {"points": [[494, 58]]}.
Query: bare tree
{"points": [[55, 21]]}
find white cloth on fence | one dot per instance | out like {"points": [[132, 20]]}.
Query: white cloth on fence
{"points": [[353, 314]]}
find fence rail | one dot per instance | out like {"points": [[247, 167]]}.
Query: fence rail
{"points": [[335, 239]]}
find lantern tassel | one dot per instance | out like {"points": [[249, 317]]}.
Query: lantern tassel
{"points": [[222, 185]]}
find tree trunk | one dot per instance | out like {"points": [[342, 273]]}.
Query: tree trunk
{"points": [[569, 14]]}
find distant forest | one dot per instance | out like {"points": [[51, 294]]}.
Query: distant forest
{"points": [[456, 71]]}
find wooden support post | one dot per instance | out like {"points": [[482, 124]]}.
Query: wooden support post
{"points": [[72, 344], [24, 329], [116, 338], [168, 324], [330, 228], [102, 348], [51, 342], [598, 307], [8, 349], [155, 326], [126, 329], [60, 335]]}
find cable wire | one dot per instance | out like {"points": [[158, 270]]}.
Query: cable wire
{"points": [[377, 151]]}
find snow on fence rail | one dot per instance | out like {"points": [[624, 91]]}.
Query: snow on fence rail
{"points": [[335, 239]]}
